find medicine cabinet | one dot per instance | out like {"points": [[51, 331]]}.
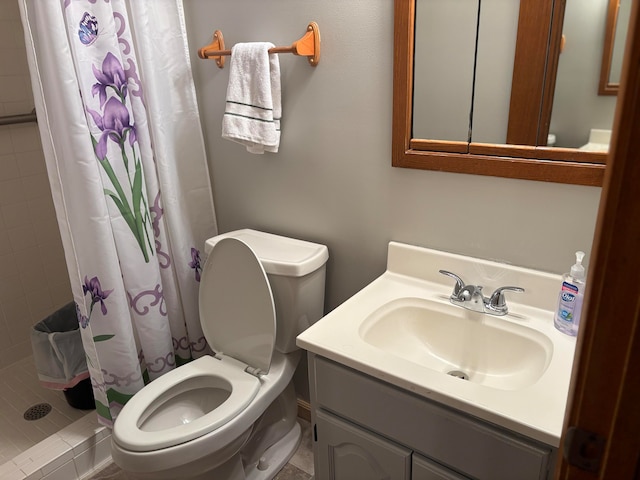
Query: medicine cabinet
{"points": [[474, 85]]}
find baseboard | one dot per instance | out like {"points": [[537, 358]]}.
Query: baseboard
{"points": [[304, 410]]}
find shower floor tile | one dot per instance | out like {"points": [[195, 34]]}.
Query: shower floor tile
{"points": [[19, 390]]}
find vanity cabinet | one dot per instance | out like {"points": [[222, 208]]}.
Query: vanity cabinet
{"points": [[365, 428]]}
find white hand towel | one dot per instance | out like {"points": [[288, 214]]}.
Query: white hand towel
{"points": [[253, 109]]}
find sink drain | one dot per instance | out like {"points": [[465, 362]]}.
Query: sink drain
{"points": [[37, 411], [458, 374]]}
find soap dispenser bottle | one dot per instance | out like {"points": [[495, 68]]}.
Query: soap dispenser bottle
{"points": [[567, 317]]}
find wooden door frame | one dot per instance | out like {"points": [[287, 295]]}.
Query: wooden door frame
{"points": [[605, 391]]}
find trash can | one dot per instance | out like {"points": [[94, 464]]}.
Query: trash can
{"points": [[60, 359]]}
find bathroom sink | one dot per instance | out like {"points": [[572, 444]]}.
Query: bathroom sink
{"points": [[471, 346], [513, 370]]}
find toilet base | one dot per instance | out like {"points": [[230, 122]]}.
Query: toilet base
{"points": [[275, 457], [271, 462]]}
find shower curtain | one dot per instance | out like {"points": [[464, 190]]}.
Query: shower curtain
{"points": [[125, 156]]}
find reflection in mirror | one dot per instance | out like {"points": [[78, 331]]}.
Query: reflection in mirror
{"points": [[614, 42], [445, 46], [498, 28], [452, 100], [580, 117], [619, 39], [450, 41]]}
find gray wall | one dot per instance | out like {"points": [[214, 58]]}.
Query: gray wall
{"points": [[332, 181]]}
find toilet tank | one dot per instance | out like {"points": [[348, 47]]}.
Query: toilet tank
{"points": [[296, 272]]}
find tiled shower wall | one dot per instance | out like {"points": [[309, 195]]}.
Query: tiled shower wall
{"points": [[33, 275]]}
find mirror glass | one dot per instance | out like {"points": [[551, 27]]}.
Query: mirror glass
{"points": [[614, 43], [581, 118], [463, 72], [445, 45], [619, 38], [498, 28]]}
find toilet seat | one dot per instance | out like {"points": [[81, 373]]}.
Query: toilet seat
{"points": [[139, 425], [238, 316], [213, 390]]}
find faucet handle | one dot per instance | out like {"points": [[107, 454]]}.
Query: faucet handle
{"points": [[459, 283], [497, 301]]}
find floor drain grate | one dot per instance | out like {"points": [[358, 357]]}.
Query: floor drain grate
{"points": [[37, 411]]}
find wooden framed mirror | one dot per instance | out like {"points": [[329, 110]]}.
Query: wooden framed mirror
{"points": [[526, 156]]}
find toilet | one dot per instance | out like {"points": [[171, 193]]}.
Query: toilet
{"points": [[231, 415]]}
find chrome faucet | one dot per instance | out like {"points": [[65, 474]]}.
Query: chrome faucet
{"points": [[471, 297]]}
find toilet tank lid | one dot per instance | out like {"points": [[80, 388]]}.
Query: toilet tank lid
{"points": [[279, 255]]}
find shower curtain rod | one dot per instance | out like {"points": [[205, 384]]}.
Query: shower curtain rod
{"points": [[16, 119]]}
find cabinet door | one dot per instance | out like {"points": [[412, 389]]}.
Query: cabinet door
{"points": [[424, 469], [346, 452]]}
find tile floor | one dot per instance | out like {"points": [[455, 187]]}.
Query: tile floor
{"points": [[66, 444], [73, 453], [19, 390], [300, 467]]}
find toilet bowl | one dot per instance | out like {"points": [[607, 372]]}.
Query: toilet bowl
{"points": [[231, 415]]}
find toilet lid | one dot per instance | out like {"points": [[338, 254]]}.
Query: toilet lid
{"points": [[237, 312]]}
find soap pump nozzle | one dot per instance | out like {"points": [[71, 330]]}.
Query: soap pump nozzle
{"points": [[577, 270]]}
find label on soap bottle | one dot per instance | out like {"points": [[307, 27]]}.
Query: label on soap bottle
{"points": [[568, 295]]}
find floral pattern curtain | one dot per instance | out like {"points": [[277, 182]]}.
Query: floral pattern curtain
{"points": [[125, 156]]}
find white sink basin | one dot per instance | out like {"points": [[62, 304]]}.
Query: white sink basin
{"points": [[449, 339], [403, 330]]}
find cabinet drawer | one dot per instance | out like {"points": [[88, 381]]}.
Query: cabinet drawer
{"points": [[451, 438]]}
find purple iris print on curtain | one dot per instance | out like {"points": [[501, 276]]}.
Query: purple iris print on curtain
{"points": [[131, 226], [110, 76], [195, 262], [114, 123], [98, 295]]}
